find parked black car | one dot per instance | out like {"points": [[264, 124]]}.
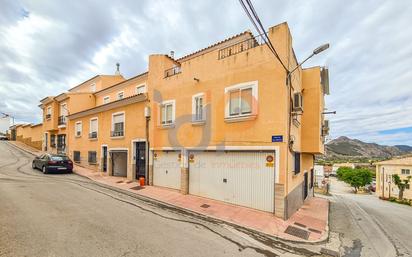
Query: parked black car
{"points": [[52, 163]]}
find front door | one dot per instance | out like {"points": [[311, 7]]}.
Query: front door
{"points": [[140, 159], [104, 153], [305, 186]]}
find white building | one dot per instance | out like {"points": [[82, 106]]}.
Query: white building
{"points": [[4, 124]]}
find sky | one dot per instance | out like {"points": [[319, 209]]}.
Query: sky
{"points": [[47, 47]]}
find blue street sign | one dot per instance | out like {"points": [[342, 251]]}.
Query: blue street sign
{"points": [[277, 138]]}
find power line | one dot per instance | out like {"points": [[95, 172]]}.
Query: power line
{"points": [[254, 18]]}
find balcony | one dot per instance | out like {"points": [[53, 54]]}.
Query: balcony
{"points": [[93, 135], [61, 121], [172, 71], [119, 133], [240, 47]]}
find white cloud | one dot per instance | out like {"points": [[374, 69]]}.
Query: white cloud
{"points": [[57, 46]]}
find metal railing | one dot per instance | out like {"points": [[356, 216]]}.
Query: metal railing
{"points": [[93, 135], [61, 120], [118, 133], [172, 71], [240, 46]]}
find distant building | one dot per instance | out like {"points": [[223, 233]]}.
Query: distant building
{"points": [[385, 186], [336, 166], [4, 124]]}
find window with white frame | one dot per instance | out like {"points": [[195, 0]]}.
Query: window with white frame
{"points": [[106, 99], [117, 125], [120, 95], [167, 112], [78, 129], [93, 128], [198, 110], [140, 89], [242, 100], [93, 87]]}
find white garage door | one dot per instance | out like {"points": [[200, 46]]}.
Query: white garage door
{"points": [[166, 169], [242, 178]]}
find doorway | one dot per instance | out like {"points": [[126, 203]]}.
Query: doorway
{"points": [[305, 186], [104, 156], [140, 156]]}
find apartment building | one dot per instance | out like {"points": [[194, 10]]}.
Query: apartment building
{"points": [[385, 187], [225, 123], [57, 108]]}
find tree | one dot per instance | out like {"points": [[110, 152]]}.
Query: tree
{"points": [[341, 171], [401, 183], [357, 178]]}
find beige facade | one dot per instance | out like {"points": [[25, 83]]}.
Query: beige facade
{"points": [[385, 186], [226, 110]]}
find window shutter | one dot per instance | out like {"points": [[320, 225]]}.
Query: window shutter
{"points": [[234, 102], [297, 162]]}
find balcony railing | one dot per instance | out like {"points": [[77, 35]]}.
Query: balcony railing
{"points": [[172, 71], [240, 47], [93, 135], [119, 133], [61, 120]]}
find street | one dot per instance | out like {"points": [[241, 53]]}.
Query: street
{"points": [[368, 226], [68, 215]]}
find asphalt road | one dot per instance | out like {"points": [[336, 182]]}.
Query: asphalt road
{"points": [[68, 215], [369, 226]]}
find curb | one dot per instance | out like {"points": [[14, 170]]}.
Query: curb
{"points": [[187, 210]]}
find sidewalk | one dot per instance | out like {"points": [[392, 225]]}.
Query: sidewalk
{"points": [[312, 217]]}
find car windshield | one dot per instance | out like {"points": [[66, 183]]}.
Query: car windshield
{"points": [[59, 158]]}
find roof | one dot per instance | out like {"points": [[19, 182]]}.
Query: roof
{"points": [[400, 161], [35, 125], [104, 107], [80, 84], [188, 56], [121, 82]]}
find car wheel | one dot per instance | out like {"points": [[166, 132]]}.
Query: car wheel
{"points": [[33, 165], [44, 169]]}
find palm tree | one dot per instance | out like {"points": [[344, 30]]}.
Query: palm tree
{"points": [[401, 183]]}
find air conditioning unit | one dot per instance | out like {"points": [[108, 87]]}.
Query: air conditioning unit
{"points": [[325, 128], [147, 111], [297, 102]]}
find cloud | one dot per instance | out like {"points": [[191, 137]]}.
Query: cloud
{"points": [[49, 47]]}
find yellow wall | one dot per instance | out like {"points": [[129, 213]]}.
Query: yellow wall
{"points": [[383, 170], [101, 81]]}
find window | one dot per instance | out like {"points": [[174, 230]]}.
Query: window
{"points": [[141, 89], [120, 95], [93, 87], [168, 112], [198, 110], [242, 100], [406, 172], [53, 141], [117, 125], [92, 157], [106, 99], [407, 187], [93, 128], [78, 129], [76, 156], [297, 162], [48, 112]]}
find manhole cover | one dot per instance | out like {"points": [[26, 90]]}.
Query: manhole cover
{"points": [[205, 206], [297, 232]]}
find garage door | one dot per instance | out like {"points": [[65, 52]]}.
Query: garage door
{"points": [[242, 178], [166, 169]]}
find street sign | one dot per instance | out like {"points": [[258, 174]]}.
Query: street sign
{"points": [[277, 138]]}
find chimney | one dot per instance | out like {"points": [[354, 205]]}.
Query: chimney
{"points": [[117, 69], [172, 54]]}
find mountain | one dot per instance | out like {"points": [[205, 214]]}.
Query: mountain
{"points": [[344, 147]]}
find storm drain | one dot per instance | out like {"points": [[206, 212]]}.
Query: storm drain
{"points": [[205, 206], [300, 225], [297, 232], [315, 230]]}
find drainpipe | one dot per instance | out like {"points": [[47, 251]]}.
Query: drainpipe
{"points": [[147, 115]]}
